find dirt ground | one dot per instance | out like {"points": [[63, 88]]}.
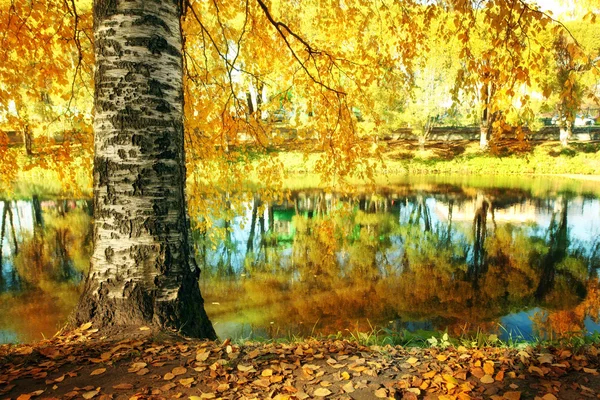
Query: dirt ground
{"points": [[144, 364]]}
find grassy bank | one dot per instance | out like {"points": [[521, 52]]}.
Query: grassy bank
{"points": [[398, 160]]}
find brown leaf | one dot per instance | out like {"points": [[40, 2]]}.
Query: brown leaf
{"points": [[499, 376], [592, 371], [25, 351], [262, 383], [512, 395], [179, 371], [549, 396], [123, 386], [536, 369], [168, 376], [142, 371], [477, 372], [50, 352], [135, 367], [98, 371], [253, 354]]}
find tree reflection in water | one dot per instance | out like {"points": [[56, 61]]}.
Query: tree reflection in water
{"points": [[438, 258], [418, 259]]}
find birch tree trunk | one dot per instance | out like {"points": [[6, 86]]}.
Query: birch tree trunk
{"points": [[141, 269]]}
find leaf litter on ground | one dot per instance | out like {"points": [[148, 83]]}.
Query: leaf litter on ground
{"points": [[145, 364]]}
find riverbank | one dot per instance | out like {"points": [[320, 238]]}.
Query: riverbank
{"points": [[141, 363], [297, 163]]}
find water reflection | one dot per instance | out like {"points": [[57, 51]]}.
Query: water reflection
{"points": [[432, 257], [453, 258], [44, 255]]}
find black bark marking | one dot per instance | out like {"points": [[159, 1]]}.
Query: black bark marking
{"points": [[109, 253], [104, 9], [163, 106], [152, 20], [101, 164], [155, 44]]}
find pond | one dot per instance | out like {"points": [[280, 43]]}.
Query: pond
{"points": [[514, 257]]}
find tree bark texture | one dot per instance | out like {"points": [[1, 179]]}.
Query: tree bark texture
{"points": [[141, 269]]}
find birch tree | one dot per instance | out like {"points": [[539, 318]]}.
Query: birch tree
{"points": [[141, 269]]}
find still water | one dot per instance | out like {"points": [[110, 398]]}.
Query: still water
{"points": [[428, 255]]}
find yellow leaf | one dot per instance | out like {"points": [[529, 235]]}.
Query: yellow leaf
{"points": [[381, 393], [267, 372], [412, 360], [186, 381], [202, 356], [144, 328], [487, 379], [488, 368], [322, 392], [90, 394], [345, 375], [179, 371], [85, 326]]}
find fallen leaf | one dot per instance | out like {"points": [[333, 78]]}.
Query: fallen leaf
{"points": [[207, 396], [245, 368], [179, 371], [345, 375], [549, 396], [135, 367], [168, 376], [267, 372], [143, 371], [25, 351], [536, 369], [487, 379], [499, 376], [123, 386], [545, 359], [348, 387], [144, 328], [90, 394], [85, 326], [202, 356], [186, 381], [592, 371], [322, 392], [98, 371], [381, 393], [512, 395], [412, 360], [488, 368]]}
